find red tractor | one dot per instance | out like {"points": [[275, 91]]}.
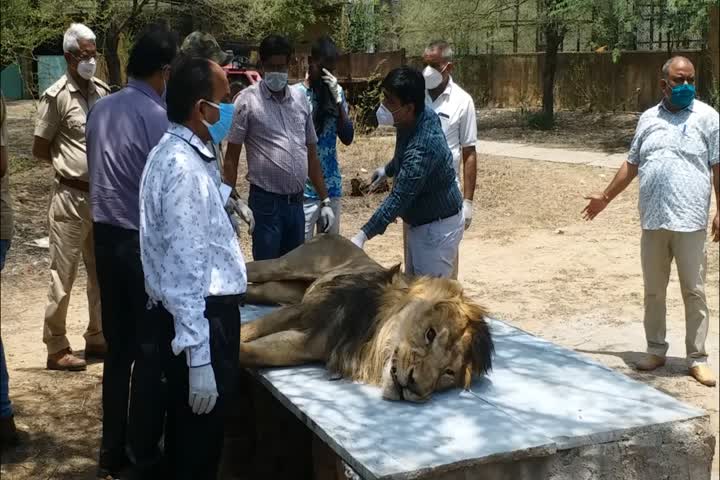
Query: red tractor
{"points": [[240, 74]]}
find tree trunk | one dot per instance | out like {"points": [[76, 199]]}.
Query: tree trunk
{"points": [[112, 40], [553, 38]]}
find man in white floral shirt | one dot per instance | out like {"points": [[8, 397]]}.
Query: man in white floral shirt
{"points": [[674, 151], [194, 270]]}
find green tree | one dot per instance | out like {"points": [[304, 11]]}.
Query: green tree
{"points": [[364, 24]]}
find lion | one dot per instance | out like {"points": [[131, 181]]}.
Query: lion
{"points": [[410, 336]]}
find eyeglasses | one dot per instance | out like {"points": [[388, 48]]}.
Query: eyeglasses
{"points": [[86, 58]]}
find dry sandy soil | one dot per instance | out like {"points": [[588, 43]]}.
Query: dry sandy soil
{"points": [[528, 255]]}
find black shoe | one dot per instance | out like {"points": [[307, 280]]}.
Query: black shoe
{"points": [[111, 467], [8, 433]]}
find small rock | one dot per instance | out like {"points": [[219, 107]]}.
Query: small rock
{"points": [[362, 170], [559, 231]]}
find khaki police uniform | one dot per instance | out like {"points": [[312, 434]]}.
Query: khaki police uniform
{"points": [[62, 115]]}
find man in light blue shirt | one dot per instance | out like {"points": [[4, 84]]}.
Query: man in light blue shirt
{"points": [[675, 154]]}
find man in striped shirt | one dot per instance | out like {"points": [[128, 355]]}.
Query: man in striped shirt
{"points": [[275, 124], [425, 193]]}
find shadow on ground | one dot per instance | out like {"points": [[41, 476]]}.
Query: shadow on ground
{"points": [[44, 399]]}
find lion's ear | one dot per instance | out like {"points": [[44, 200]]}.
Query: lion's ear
{"points": [[397, 276], [395, 269]]}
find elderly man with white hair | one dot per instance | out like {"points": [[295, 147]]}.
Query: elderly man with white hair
{"points": [[60, 140]]}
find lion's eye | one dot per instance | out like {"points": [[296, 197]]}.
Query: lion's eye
{"points": [[430, 335], [450, 372]]}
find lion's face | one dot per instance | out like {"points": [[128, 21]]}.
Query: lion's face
{"points": [[440, 341]]}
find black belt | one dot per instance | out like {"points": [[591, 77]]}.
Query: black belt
{"points": [[73, 183], [431, 220], [284, 197], [238, 299]]}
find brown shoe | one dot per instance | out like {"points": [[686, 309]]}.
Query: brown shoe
{"points": [[703, 374], [650, 362], [95, 351], [65, 360]]}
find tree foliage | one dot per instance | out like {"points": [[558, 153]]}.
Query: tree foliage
{"points": [[24, 25], [364, 23]]}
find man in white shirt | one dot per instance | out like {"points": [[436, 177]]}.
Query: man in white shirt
{"points": [[456, 110], [195, 273], [676, 156]]}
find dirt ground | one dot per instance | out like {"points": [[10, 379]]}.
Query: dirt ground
{"points": [[528, 255]]}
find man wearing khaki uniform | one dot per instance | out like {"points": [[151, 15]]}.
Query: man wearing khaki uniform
{"points": [[60, 139], [674, 151]]}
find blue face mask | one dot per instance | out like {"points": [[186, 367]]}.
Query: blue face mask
{"points": [[682, 95], [219, 130]]}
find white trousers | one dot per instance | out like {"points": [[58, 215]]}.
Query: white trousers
{"points": [[432, 249]]}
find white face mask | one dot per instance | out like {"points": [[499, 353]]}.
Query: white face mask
{"points": [[86, 68], [384, 116], [433, 78], [276, 81]]}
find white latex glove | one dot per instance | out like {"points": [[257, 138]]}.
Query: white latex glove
{"points": [[237, 206], [359, 239], [202, 389], [467, 212], [377, 177], [332, 84], [327, 216]]}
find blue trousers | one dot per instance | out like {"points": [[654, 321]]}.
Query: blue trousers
{"points": [[279, 223], [5, 405]]}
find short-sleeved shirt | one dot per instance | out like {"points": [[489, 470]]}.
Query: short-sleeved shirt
{"points": [[326, 149], [6, 212], [275, 132], [62, 114], [456, 110], [675, 153], [121, 130]]}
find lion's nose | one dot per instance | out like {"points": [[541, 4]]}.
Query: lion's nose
{"points": [[393, 370], [411, 380]]}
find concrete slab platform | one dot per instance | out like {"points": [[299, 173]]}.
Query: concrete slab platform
{"points": [[543, 412]]}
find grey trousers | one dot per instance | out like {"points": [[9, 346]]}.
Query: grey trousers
{"points": [[432, 249], [657, 250]]}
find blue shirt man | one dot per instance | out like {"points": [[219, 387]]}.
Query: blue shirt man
{"points": [[121, 130], [116, 160]]}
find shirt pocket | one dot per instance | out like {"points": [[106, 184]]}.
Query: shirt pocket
{"points": [[76, 128], [693, 143], [296, 129]]}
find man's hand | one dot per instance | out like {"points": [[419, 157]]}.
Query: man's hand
{"points": [[467, 212], [202, 389], [359, 239], [327, 216], [332, 84], [377, 177], [237, 206], [598, 202], [716, 227]]}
